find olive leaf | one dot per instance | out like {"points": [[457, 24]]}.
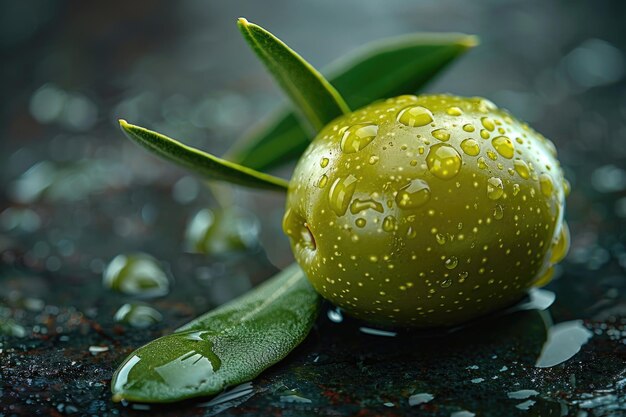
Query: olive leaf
{"points": [[201, 162], [381, 69], [225, 347], [310, 92]]}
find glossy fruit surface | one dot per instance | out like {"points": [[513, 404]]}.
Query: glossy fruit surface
{"points": [[427, 210]]}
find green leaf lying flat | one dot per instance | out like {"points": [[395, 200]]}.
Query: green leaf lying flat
{"points": [[378, 70], [201, 162], [313, 96], [225, 347]]}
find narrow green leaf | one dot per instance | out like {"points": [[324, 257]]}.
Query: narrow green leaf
{"points": [[310, 92], [225, 347], [201, 162], [378, 70]]}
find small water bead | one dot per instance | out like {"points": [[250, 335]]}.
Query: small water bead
{"points": [[498, 212], [389, 224], [441, 238], [324, 162], [373, 159], [358, 206], [567, 187], [443, 161], [357, 137], [492, 155], [413, 195], [482, 164], [561, 245], [451, 262], [545, 183], [446, 283], [484, 133], [454, 111], [522, 168], [468, 128], [415, 116], [463, 276], [470, 147], [504, 146], [495, 188], [516, 189], [441, 134], [139, 316], [340, 194], [488, 123], [322, 181], [360, 222], [137, 274]]}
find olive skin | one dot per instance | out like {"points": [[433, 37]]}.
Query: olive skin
{"points": [[427, 210]]}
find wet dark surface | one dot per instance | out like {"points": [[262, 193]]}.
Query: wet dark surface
{"points": [[74, 194]]}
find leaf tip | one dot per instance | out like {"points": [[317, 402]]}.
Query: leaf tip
{"points": [[470, 41], [123, 124], [242, 21]]}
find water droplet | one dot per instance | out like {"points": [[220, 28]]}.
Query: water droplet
{"points": [[522, 169], [324, 162], [495, 188], [561, 245], [516, 189], [373, 159], [454, 111], [441, 134], [492, 155], [567, 187], [323, 181], [340, 194], [137, 315], [451, 262], [484, 133], [545, 183], [389, 224], [446, 283], [413, 195], [357, 137], [498, 212], [482, 164], [415, 116], [358, 206], [468, 128], [223, 231], [488, 123], [470, 147], [137, 274], [443, 161], [184, 361], [360, 222], [564, 341], [504, 146], [441, 238], [463, 276]]}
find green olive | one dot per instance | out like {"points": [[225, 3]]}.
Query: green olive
{"points": [[427, 210]]}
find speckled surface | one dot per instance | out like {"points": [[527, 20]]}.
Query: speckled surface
{"points": [[74, 194]]}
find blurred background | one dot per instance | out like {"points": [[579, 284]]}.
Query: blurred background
{"points": [[74, 193]]}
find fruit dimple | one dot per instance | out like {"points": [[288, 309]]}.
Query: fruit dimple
{"points": [[443, 161], [340, 194], [357, 137], [415, 116]]}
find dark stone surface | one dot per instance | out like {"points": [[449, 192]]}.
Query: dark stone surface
{"points": [[183, 70]]}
